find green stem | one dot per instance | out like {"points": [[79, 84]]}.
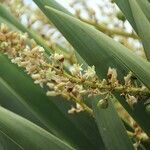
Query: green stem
{"points": [[80, 102], [138, 137], [100, 86], [108, 31]]}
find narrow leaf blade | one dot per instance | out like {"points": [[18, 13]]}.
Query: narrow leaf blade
{"points": [[110, 127], [138, 20], [27, 134]]}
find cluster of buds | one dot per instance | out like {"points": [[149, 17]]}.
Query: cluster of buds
{"points": [[49, 72]]}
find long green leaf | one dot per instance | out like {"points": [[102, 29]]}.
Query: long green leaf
{"points": [[97, 49], [28, 135], [51, 3], [52, 112], [109, 127], [6, 143], [11, 100], [138, 20], [145, 6], [142, 25]]}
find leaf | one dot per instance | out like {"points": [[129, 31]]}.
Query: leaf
{"points": [[97, 49], [138, 20], [6, 143], [2, 20], [111, 127], [11, 100], [145, 6], [51, 3], [28, 135], [51, 111]]}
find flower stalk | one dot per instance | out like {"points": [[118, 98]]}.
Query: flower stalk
{"points": [[50, 72]]}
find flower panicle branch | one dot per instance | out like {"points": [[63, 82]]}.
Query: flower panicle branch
{"points": [[73, 84]]}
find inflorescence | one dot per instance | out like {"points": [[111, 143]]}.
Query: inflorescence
{"points": [[72, 83]]}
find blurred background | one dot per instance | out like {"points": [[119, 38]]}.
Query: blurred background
{"points": [[102, 14]]}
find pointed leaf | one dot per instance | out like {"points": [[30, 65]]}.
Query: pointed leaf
{"points": [[28, 135], [6, 143], [138, 20], [111, 127], [9, 99], [145, 6]]}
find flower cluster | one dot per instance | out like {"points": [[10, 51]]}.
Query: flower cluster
{"points": [[50, 72], [45, 71]]}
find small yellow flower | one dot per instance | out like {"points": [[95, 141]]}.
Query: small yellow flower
{"points": [[90, 72]]}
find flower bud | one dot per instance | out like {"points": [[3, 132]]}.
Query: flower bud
{"points": [[103, 103]]}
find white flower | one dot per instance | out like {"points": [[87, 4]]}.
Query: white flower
{"points": [[4, 44], [131, 100], [57, 57], [104, 82], [50, 74], [36, 76], [76, 69], [37, 49], [16, 60], [39, 82], [127, 79], [23, 37], [112, 72], [78, 109], [90, 72], [3, 28], [78, 89], [112, 75], [72, 110], [51, 93], [50, 85], [41, 49], [143, 88], [103, 103]]}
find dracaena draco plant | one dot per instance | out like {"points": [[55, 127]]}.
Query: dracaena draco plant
{"points": [[89, 89]]}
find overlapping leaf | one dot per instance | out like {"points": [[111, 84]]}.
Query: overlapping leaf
{"points": [[138, 19], [109, 126], [145, 6], [27, 135]]}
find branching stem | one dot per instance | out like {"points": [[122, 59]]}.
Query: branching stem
{"points": [[108, 31]]}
